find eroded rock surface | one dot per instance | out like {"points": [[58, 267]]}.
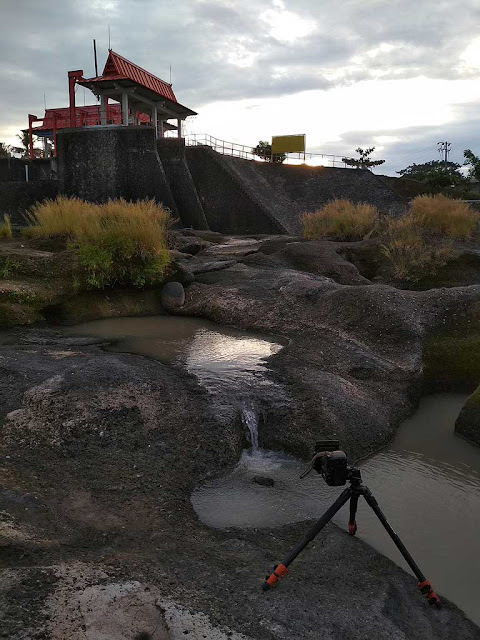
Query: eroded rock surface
{"points": [[100, 452]]}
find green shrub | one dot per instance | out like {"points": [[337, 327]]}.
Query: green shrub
{"points": [[340, 220], [8, 268], [5, 227], [117, 242], [412, 255]]}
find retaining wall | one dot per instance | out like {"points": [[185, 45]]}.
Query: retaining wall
{"points": [[13, 169], [99, 163], [230, 204], [172, 156], [17, 197]]}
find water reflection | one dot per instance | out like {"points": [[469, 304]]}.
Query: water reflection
{"points": [[427, 482]]}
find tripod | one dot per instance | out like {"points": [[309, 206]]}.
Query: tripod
{"points": [[353, 493]]}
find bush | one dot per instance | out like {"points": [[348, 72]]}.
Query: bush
{"points": [[413, 257], [340, 220], [118, 242], [5, 227], [422, 241], [441, 215]]}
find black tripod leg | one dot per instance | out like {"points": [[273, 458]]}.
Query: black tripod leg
{"points": [[423, 583], [281, 569], [352, 525]]}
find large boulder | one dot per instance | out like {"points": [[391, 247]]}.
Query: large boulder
{"points": [[468, 422]]}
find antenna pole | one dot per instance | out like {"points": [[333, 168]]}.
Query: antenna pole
{"points": [[109, 43], [170, 74], [95, 57]]}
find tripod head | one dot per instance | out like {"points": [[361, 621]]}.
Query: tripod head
{"points": [[331, 463]]}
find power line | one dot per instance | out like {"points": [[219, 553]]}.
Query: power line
{"points": [[444, 148]]}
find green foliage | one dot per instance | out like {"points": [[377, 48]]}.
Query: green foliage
{"points": [[8, 268], [117, 243], [435, 174], [24, 138], [473, 163], [264, 150], [340, 220], [364, 160], [5, 227], [5, 150]]}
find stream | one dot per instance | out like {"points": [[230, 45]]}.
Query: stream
{"points": [[427, 481]]}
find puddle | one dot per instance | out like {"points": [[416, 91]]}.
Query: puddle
{"points": [[228, 363], [427, 482]]}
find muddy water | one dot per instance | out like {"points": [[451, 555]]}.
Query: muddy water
{"points": [[229, 363], [427, 483]]}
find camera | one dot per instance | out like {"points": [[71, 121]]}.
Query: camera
{"points": [[330, 462]]}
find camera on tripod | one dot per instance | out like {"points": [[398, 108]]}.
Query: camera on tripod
{"points": [[330, 462]]}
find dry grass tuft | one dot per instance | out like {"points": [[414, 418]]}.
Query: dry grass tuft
{"points": [[340, 220], [441, 215], [118, 242], [413, 256], [5, 227]]}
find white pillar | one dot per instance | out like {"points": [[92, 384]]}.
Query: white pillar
{"points": [[125, 109], [179, 128], [103, 109], [155, 121]]}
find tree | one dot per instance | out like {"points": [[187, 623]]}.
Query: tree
{"points": [[364, 161], [435, 174], [264, 150], [473, 163], [5, 150], [24, 138]]}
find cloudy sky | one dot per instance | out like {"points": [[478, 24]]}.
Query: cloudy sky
{"points": [[400, 75]]}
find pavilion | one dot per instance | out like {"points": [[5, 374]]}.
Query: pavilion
{"points": [[139, 98], [137, 90]]}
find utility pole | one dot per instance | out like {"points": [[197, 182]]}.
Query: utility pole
{"points": [[444, 148]]}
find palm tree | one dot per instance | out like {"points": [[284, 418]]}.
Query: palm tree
{"points": [[24, 138], [4, 150]]}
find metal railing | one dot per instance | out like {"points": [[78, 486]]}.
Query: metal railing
{"points": [[243, 151]]}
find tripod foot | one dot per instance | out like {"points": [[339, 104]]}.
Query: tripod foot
{"points": [[352, 528], [427, 590], [279, 571]]}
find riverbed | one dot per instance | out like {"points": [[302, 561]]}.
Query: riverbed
{"points": [[427, 480]]}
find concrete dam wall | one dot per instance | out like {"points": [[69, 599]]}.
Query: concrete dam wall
{"points": [[202, 188]]}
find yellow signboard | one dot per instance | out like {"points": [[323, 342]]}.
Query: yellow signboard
{"points": [[288, 144]]}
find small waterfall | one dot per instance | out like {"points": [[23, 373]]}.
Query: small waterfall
{"points": [[250, 416]]}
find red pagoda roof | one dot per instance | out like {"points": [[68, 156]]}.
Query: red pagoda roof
{"points": [[119, 68]]}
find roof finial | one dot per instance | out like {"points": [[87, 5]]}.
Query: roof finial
{"points": [[109, 43]]}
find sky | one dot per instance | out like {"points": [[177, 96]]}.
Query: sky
{"points": [[400, 75]]}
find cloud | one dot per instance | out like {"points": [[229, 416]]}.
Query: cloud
{"points": [[229, 54]]}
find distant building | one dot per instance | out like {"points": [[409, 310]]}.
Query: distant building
{"points": [[139, 98]]}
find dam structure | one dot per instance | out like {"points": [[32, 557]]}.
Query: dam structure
{"points": [[131, 145]]}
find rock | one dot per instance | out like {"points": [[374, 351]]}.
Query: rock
{"points": [[130, 438], [264, 481], [318, 257], [468, 422], [180, 271], [190, 244], [93, 305], [172, 296], [209, 236]]}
